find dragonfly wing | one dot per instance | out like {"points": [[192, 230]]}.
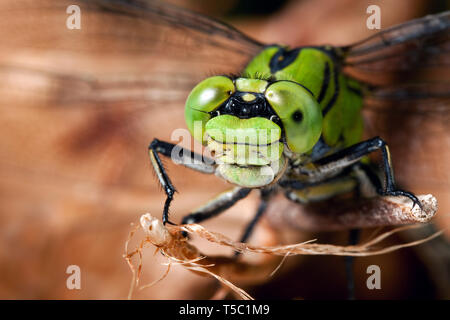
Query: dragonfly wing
{"points": [[419, 47], [406, 68], [413, 119], [417, 97], [120, 44], [82, 105]]}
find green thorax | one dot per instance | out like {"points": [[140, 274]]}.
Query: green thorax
{"points": [[316, 69]]}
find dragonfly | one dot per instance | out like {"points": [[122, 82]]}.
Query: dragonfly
{"points": [[313, 111], [157, 55]]}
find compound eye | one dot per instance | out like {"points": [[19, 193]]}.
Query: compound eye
{"points": [[207, 96], [299, 112], [210, 93]]}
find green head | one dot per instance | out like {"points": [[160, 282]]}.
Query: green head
{"points": [[247, 123]]}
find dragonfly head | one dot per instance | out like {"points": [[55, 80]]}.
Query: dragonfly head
{"points": [[247, 123]]}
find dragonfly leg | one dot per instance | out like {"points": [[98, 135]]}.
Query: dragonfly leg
{"points": [[216, 206], [304, 193], [265, 193], [188, 159], [353, 154]]}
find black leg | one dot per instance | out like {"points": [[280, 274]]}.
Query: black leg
{"points": [[372, 177], [216, 206], [251, 225], [265, 193], [305, 193], [353, 154], [349, 263], [186, 157]]}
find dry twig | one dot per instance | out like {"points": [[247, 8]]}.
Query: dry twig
{"points": [[171, 243], [335, 214]]}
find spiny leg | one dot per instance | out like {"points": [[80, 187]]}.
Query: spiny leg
{"points": [[265, 194], [303, 193], [359, 177], [350, 157], [226, 200], [352, 154], [185, 157], [217, 205]]}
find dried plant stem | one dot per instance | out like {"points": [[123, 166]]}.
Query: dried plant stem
{"points": [[308, 248], [334, 215], [173, 245]]}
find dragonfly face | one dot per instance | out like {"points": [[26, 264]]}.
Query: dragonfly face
{"points": [[247, 123]]}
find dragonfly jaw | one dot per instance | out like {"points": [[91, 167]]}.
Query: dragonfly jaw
{"points": [[249, 166], [248, 152], [252, 176], [245, 154]]}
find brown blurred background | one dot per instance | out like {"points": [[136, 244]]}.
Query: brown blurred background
{"points": [[64, 202]]}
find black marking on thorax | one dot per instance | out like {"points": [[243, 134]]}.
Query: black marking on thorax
{"points": [[333, 99], [282, 59], [325, 82]]}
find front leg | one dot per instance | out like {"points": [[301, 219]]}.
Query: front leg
{"points": [[189, 159], [353, 154]]}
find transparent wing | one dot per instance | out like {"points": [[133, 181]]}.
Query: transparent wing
{"points": [[137, 44], [407, 99], [80, 106], [420, 47], [413, 119], [418, 97], [406, 68]]}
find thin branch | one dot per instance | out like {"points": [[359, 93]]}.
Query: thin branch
{"points": [[348, 214]]}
